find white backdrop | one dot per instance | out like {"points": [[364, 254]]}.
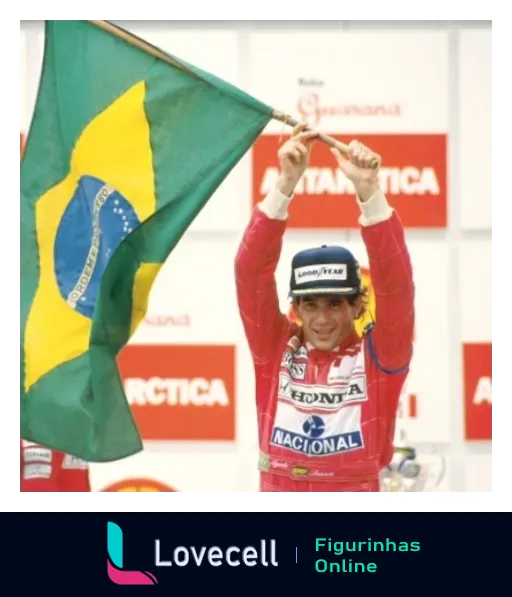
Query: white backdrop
{"points": [[424, 81], [316, 80]]}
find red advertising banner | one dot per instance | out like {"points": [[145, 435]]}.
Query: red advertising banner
{"points": [[413, 176], [478, 390]]}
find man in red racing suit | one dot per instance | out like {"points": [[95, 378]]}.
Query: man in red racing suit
{"points": [[43, 469], [326, 398]]}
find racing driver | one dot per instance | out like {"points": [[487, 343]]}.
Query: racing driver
{"points": [[326, 397]]}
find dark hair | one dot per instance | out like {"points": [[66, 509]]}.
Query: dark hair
{"points": [[364, 292]]}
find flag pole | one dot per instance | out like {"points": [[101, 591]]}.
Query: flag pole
{"points": [[141, 44], [287, 119], [157, 53]]}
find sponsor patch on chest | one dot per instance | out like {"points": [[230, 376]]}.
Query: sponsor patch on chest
{"points": [[316, 435], [295, 363], [298, 370], [327, 398], [36, 453], [323, 446], [346, 368], [73, 462], [319, 408]]}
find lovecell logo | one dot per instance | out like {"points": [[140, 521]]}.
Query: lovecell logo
{"points": [[116, 573]]}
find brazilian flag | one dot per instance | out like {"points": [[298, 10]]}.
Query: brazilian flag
{"points": [[127, 145]]}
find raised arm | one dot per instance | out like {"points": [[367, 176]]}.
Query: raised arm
{"points": [[258, 255], [255, 265], [391, 274], [391, 339]]}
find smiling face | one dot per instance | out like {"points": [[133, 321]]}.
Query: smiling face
{"points": [[327, 320]]}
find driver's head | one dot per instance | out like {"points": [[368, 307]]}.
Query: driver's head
{"points": [[327, 294]]}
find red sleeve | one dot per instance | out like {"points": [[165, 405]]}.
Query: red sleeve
{"points": [[255, 265], [391, 340], [74, 475]]}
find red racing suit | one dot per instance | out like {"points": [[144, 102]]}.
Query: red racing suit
{"points": [[326, 420], [42, 469]]}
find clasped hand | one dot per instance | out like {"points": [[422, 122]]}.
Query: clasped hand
{"points": [[294, 156]]}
